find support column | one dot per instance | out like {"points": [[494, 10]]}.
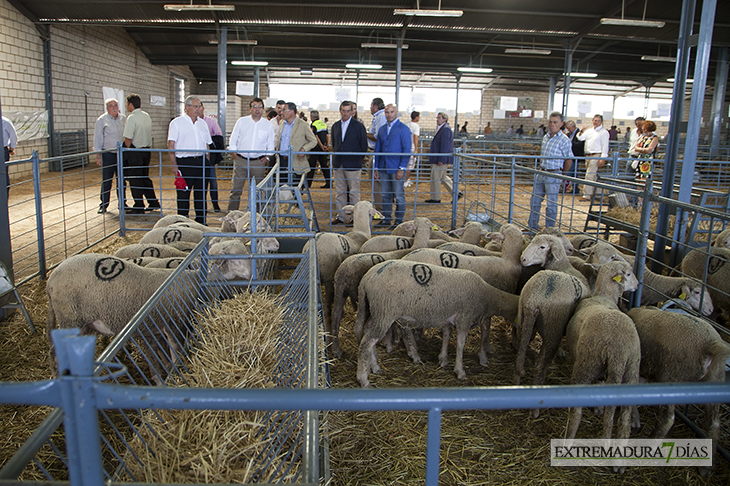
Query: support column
{"points": [[222, 77], [456, 111], [256, 81], [398, 61], [551, 96], [566, 80], [718, 99]]}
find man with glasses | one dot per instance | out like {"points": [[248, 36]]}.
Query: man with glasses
{"points": [[252, 133], [294, 132]]}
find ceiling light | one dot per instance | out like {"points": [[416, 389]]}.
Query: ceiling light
{"points": [[203, 7], [238, 42], [690, 80], [373, 45], [581, 75], [513, 50], [659, 58], [417, 12], [633, 22], [306, 72], [474, 70], [363, 66], [250, 63]]}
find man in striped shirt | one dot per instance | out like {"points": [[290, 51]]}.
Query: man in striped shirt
{"points": [[558, 153]]}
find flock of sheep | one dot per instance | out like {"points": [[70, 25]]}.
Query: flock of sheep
{"points": [[420, 277]]}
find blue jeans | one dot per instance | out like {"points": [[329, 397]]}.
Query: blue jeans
{"points": [[211, 183], [392, 189], [545, 187]]}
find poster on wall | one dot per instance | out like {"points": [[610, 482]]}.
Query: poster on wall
{"points": [[244, 88], [514, 107], [29, 125], [499, 114], [117, 94], [584, 107], [663, 109], [157, 100]]}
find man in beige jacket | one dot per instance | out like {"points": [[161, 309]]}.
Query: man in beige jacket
{"points": [[294, 132]]}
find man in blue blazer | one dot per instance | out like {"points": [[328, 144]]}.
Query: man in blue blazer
{"points": [[442, 143], [348, 135], [393, 137]]}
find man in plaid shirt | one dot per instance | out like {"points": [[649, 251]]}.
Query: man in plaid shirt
{"points": [[557, 148]]}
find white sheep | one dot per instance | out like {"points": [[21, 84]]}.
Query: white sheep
{"points": [[179, 221], [383, 243], [333, 248], [351, 270], [148, 250], [100, 293], [547, 302], [604, 345], [502, 272], [423, 296], [228, 222], [141, 261], [718, 273], [584, 241], [232, 269], [469, 249], [678, 348], [171, 234], [723, 239], [185, 246]]}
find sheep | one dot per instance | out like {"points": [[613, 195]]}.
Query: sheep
{"points": [[718, 277], [604, 345], [166, 235], [186, 246], [238, 268], [723, 239], [100, 293], [547, 301], [148, 250], [179, 221], [351, 270], [333, 248], [472, 232], [228, 222], [679, 348], [408, 229], [468, 249], [383, 243], [141, 261], [166, 262], [529, 271], [268, 244], [658, 288], [423, 296], [583, 241]]}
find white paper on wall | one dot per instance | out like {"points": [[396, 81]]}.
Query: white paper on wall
{"points": [[418, 99], [499, 114], [663, 109], [244, 88], [539, 114], [508, 103], [157, 100], [584, 107], [342, 94]]}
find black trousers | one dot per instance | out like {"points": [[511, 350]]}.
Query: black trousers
{"points": [[136, 171], [324, 165], [191, 169], [108, 172]]}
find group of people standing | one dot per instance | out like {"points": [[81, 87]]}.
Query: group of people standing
{"points": [[562, 143]]}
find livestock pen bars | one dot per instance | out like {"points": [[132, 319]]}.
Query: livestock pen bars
{"points": [[120, 385]]}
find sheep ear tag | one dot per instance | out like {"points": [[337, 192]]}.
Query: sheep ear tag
{"points": [[618, 278], [376, 216], [683, 296]]}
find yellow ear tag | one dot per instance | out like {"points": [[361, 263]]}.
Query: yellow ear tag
{"points": [[618, 278], [434, 227], [376, 216], [683, 296]]}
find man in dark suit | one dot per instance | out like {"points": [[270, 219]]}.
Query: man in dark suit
{"points": [[571, 130], [348, 135], [442, 143]]}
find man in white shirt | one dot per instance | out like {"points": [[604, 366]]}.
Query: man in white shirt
{"points": [[416, 131], [596, 140], [253, 138], [377, 109], [190, 136], [279, 116], [108, 132]]}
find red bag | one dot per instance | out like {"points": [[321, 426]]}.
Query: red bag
{"points": [[180, 183]]}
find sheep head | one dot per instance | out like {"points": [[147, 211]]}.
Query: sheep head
{"points": [[619, 272], [233, 268], [692, 296], [543, 250]]}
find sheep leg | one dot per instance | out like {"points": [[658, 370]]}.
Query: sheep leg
{"points": [[712, 427], [459, 363], [635, 418], [365, 357], [608, 414], [444, 354], [526, 328], [573, 422], [485, 346], [666, 421], [409, 341], [337, 310]]}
